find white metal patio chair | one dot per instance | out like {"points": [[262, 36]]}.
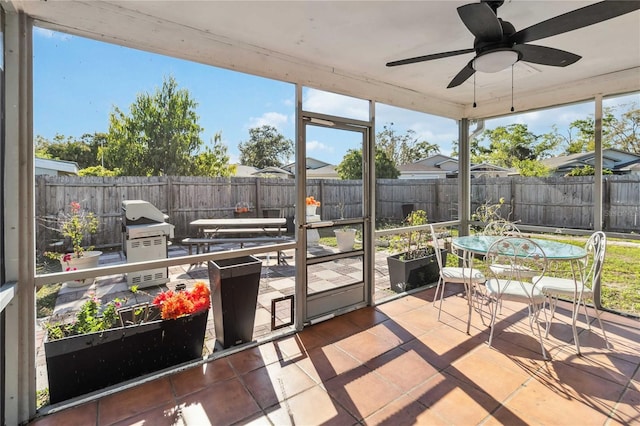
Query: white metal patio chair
{"points": [[582, 289], [504, 228], [501, 228], [519, 254], [451, 274]]}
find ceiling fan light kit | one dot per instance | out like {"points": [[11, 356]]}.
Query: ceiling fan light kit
{"points": [[498, 45], [495, 61]]}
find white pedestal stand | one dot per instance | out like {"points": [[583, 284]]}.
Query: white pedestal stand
{"points": [[312, 234]]}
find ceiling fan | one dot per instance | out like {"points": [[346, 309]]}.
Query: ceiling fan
{"points": [[498, 45]]}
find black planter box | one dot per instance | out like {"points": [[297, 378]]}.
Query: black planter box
{"points": [[234, 294], [409, 274], [81, 364]]}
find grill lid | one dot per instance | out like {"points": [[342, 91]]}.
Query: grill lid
{"points": [[139, 212]]}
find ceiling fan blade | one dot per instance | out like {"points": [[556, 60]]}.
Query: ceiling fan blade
{"points": [[462, 76], [429, 57], [546, 55], [575, 19], [481, 20]]}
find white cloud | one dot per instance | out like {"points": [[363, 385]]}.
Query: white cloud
{"points": [[274, 119], [433, 129], [319, 147], [333, 104]]}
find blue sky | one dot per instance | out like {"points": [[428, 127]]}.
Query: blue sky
{"points": [[78, 82]]}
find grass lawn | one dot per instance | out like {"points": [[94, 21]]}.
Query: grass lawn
{"points": [[46, 299], [620, 274]]}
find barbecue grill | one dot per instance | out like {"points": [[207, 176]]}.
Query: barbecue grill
{"points": [[145, 235]]}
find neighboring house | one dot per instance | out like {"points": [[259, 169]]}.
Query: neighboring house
{"points": [[47, 166], [440, 166], [273, 172], [245, 171], [316, 169], [619, 162], [489, 170], [325, 172]]}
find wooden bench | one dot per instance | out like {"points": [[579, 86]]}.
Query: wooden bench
{"points": [[205, 243]]}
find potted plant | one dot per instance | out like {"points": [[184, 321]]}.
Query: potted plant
{"points": [[107, 344], [312, 205], [345, 238], [415, 264], [75, 226]]}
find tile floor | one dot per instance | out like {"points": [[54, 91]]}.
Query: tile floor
{"points": [[277, 280], [396, 364]]}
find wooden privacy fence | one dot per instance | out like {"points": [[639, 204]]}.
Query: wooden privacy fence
{"points": [[554, 202]]}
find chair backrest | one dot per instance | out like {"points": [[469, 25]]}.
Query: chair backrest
{"points": [[501, 228], [436, 245], [596, 248], [520, 258]]}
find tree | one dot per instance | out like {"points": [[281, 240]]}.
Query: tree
{"points": [[158, 136], [98, 171], [403, 149], [513, 146], [351, 166], [83, 151], [214, 161], [587, 170], [621, 131], [625, 131], [532, 168], [266, 147]]}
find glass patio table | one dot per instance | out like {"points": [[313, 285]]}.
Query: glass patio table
{"points": [[472, 245]]}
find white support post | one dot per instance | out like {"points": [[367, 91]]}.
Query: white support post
{"points": [[464, 179], [597, 175], [300, 214], [18, 220]]}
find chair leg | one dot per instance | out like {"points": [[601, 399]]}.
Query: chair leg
{"points": [[435, 296], [586, 315], [552, 307], [494, 312], [606, 341], [441, 299], [537, 313]]}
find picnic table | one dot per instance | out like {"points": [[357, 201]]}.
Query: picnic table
{"points": [[214, 228], [237, 230]]}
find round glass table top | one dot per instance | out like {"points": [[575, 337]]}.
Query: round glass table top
{"points": [[554, 250]]}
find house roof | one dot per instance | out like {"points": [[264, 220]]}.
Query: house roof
{"points": [[618, 159], [326, 171], [418, 167], [343, 47], [272, 171], [60, 166], [432, 165], [245, 171]]}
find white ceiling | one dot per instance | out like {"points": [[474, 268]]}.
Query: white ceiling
{"points": [[343, 46]]}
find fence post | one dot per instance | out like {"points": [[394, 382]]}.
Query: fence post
{"points": [[606, 204], [512, 201], [168, 191], [258, 200], [322, 205]]}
